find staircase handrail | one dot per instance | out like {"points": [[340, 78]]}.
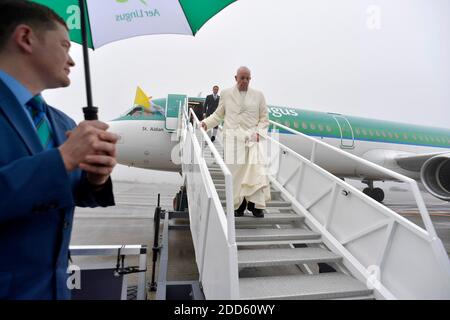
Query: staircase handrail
{"points": [[229, 210], [395, 175]]}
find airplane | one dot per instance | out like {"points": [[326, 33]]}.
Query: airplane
{"points": [[148, 139]]}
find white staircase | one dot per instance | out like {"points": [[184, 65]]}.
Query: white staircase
{"points": [[314, 221], [274, 253]]}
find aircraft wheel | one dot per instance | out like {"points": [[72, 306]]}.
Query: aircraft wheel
{"points": [[378, 194]]}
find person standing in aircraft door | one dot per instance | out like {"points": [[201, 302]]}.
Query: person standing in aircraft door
{"points": [[48, 164], [244, 112], [211, 103]]}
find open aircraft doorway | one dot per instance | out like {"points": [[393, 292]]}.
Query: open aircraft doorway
{"points": [[347, 135], [197, 107]]}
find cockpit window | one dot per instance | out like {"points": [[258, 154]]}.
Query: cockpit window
{"points": [[140, 111]]}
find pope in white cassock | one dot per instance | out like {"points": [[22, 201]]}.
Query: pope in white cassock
{"points": [[244, 112]]}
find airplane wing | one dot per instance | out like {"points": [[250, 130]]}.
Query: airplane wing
{"points": [[414, 162]]}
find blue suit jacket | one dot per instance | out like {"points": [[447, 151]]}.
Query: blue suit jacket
{"points": [[37, 200]]}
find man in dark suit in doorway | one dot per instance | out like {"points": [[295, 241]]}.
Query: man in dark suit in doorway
{"points": [[211, 103]]}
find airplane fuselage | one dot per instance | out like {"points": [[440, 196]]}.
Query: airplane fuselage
{"points": [[147, 143]]}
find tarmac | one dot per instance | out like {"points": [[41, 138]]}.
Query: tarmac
{"points": [[131, 222]]}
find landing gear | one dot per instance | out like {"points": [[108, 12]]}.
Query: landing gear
{"points": [[375, 193]]}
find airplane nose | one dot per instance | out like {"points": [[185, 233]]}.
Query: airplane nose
{"points": [[143, 144]]}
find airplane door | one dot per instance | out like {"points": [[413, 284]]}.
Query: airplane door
{"points": [[347, 135], [174, 103]]}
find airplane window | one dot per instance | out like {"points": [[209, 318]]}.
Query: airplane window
{"points": [[329, 129], [296, 124], [321, 127], [312, 126], [304, 125]]}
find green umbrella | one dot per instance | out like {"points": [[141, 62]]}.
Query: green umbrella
{"points": [[107, 21]]}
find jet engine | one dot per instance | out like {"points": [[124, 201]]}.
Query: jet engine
{"points": [[435, 175]]}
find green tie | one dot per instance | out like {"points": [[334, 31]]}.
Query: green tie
{"points": [[36, 107]]}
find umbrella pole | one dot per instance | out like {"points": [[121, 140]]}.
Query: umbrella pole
{"points": [[90, 112]]}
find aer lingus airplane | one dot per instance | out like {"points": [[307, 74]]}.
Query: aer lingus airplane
{"points": [[149, 140]]}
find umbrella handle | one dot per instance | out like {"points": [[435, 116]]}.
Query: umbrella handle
{"points": [[90, 112]]}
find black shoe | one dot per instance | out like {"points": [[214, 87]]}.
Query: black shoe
{"points": [[258, 213], [213, 138], [240, 211]]}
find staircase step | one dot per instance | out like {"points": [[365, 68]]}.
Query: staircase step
{"points": [[322, 286], [218, 177], [274, 234], [221, 187], [279, 257], [362, 297], [273, 204], [274, 193], [278, 242], [269, 218]]}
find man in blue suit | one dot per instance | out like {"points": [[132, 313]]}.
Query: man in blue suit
{"points": [[48, 165]]}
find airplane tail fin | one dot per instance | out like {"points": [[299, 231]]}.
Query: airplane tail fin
{"points": [[142, 100]]}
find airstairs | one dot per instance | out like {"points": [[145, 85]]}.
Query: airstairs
{"points": [[320, 237]]}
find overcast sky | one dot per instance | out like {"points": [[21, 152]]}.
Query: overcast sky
{"points": [[384, 59]]}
